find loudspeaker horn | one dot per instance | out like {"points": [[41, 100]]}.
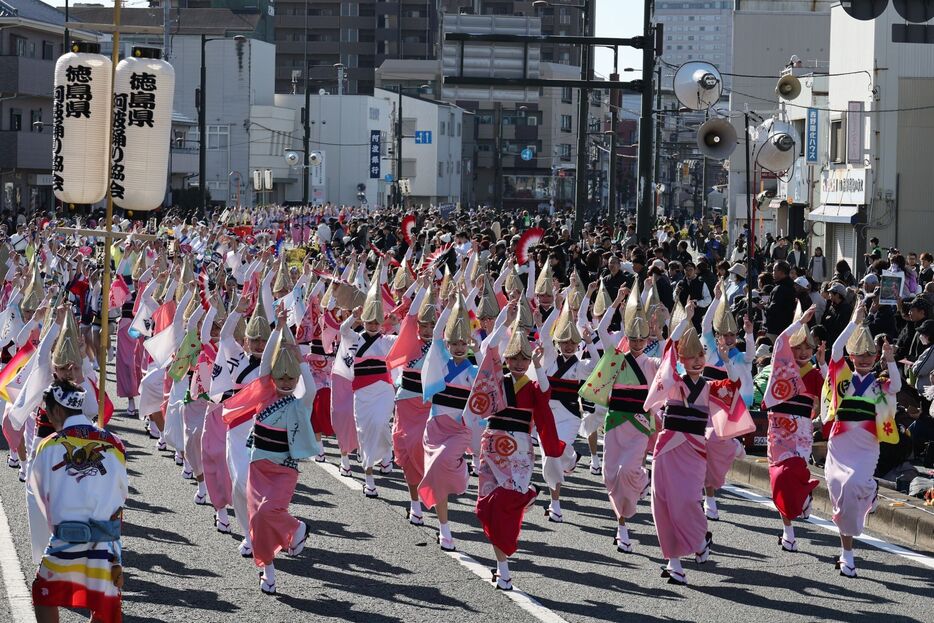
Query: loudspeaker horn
{"points": [[698, 85], [315, 158], [775, 143], [292, 158], [716, 138], [788, 87]]}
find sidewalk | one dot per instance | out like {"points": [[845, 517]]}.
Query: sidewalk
{"points": [[899, 517]]}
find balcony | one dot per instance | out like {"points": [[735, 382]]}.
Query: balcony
{"points": [[184, 160], [26, 76], [26, 150]]}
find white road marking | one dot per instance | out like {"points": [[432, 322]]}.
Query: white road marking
{"points": [[891, 548], [520, 598], [17, 593]]}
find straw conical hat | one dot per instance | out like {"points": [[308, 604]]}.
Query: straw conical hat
{"points": [[67, 349], [545, 283], [373, 305], [802, 335], [458, 325], [566, 327], [602, 301], [690, 345], [635, 322], [518, 342], [489, 306], [258, 326], [723, 320], [284, 362]]}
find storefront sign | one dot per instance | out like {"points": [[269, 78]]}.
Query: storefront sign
{"points": [[811, 136], [845, 186]]}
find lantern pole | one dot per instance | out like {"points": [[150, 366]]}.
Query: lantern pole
{"points": [[108, 241]]}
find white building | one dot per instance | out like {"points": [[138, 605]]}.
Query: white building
{"points": [[432, 147], [341, 130], [878, 174], [766, 34]]}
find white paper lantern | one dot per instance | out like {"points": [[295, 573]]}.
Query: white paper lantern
{"points": [[81, 125], [142, 116]]}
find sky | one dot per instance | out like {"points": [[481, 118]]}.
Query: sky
{"points": [[615, 18], [619, 18]]}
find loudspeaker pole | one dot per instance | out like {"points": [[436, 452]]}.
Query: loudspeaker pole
{"points": [[647, 145]]}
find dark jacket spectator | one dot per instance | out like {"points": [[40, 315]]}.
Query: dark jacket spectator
{"points": [[781, 310], [838, 313]]}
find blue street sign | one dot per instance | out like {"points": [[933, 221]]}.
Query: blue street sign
{"points": [[388, 178], [375, 153], [811, 137], [528, 154], [423, 137]]}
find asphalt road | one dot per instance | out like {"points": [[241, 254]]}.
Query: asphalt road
{"points": [[364, 562]]}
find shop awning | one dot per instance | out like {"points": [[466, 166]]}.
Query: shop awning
{"points": [[835, 214]]}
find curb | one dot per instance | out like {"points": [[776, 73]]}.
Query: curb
{"points": [[898, 517]]}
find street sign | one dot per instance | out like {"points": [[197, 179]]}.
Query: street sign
{"points": [[528, 154], [811, 137], [375, 153], [423, 137], [389, 178]]}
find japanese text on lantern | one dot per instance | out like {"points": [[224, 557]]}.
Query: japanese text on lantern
{"points": [[58, 133]]}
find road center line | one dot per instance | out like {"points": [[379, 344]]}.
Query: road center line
{"points": [[14, 581], [891, 548], [520, 598]]}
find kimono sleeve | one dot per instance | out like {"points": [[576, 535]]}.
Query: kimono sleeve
{"points": [[545, 424], [302, 442]]}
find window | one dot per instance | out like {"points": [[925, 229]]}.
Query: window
{"points": [[837, 141], [374, 114], [218, 137], [458, 129], [532, 120], [440, 169], [443, 129], [16, 120], [565, 123], [564, 151], [17, 46], [485, 118], [35, 120], [567, 96], [48, 51]]}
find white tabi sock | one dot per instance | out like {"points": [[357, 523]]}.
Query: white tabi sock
{"points": [[674, 564], [622, 534], [369, 481], [595, 459], [555, 507], [415, 508], [185, 465], [222, 516], [345, 461], [161, 435], [848, 558], [202, 488], [711, 503], [269, 574], [503, 569], [789, 533], [131, 404], [445, 530]]}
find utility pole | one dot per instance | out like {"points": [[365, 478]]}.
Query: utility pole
{"points": [[646, 177], [306, 120], [583, 118], [498, 156], [202, 134], [399, 115], [616, 102], [659, 119]]}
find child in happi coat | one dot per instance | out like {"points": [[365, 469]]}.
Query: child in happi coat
{"points": [[507, 456], [792, 398], [859, 407]]}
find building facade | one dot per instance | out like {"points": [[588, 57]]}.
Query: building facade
{"points": [[697, 30], [766, 35], [31, 40], [878, 169]]}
